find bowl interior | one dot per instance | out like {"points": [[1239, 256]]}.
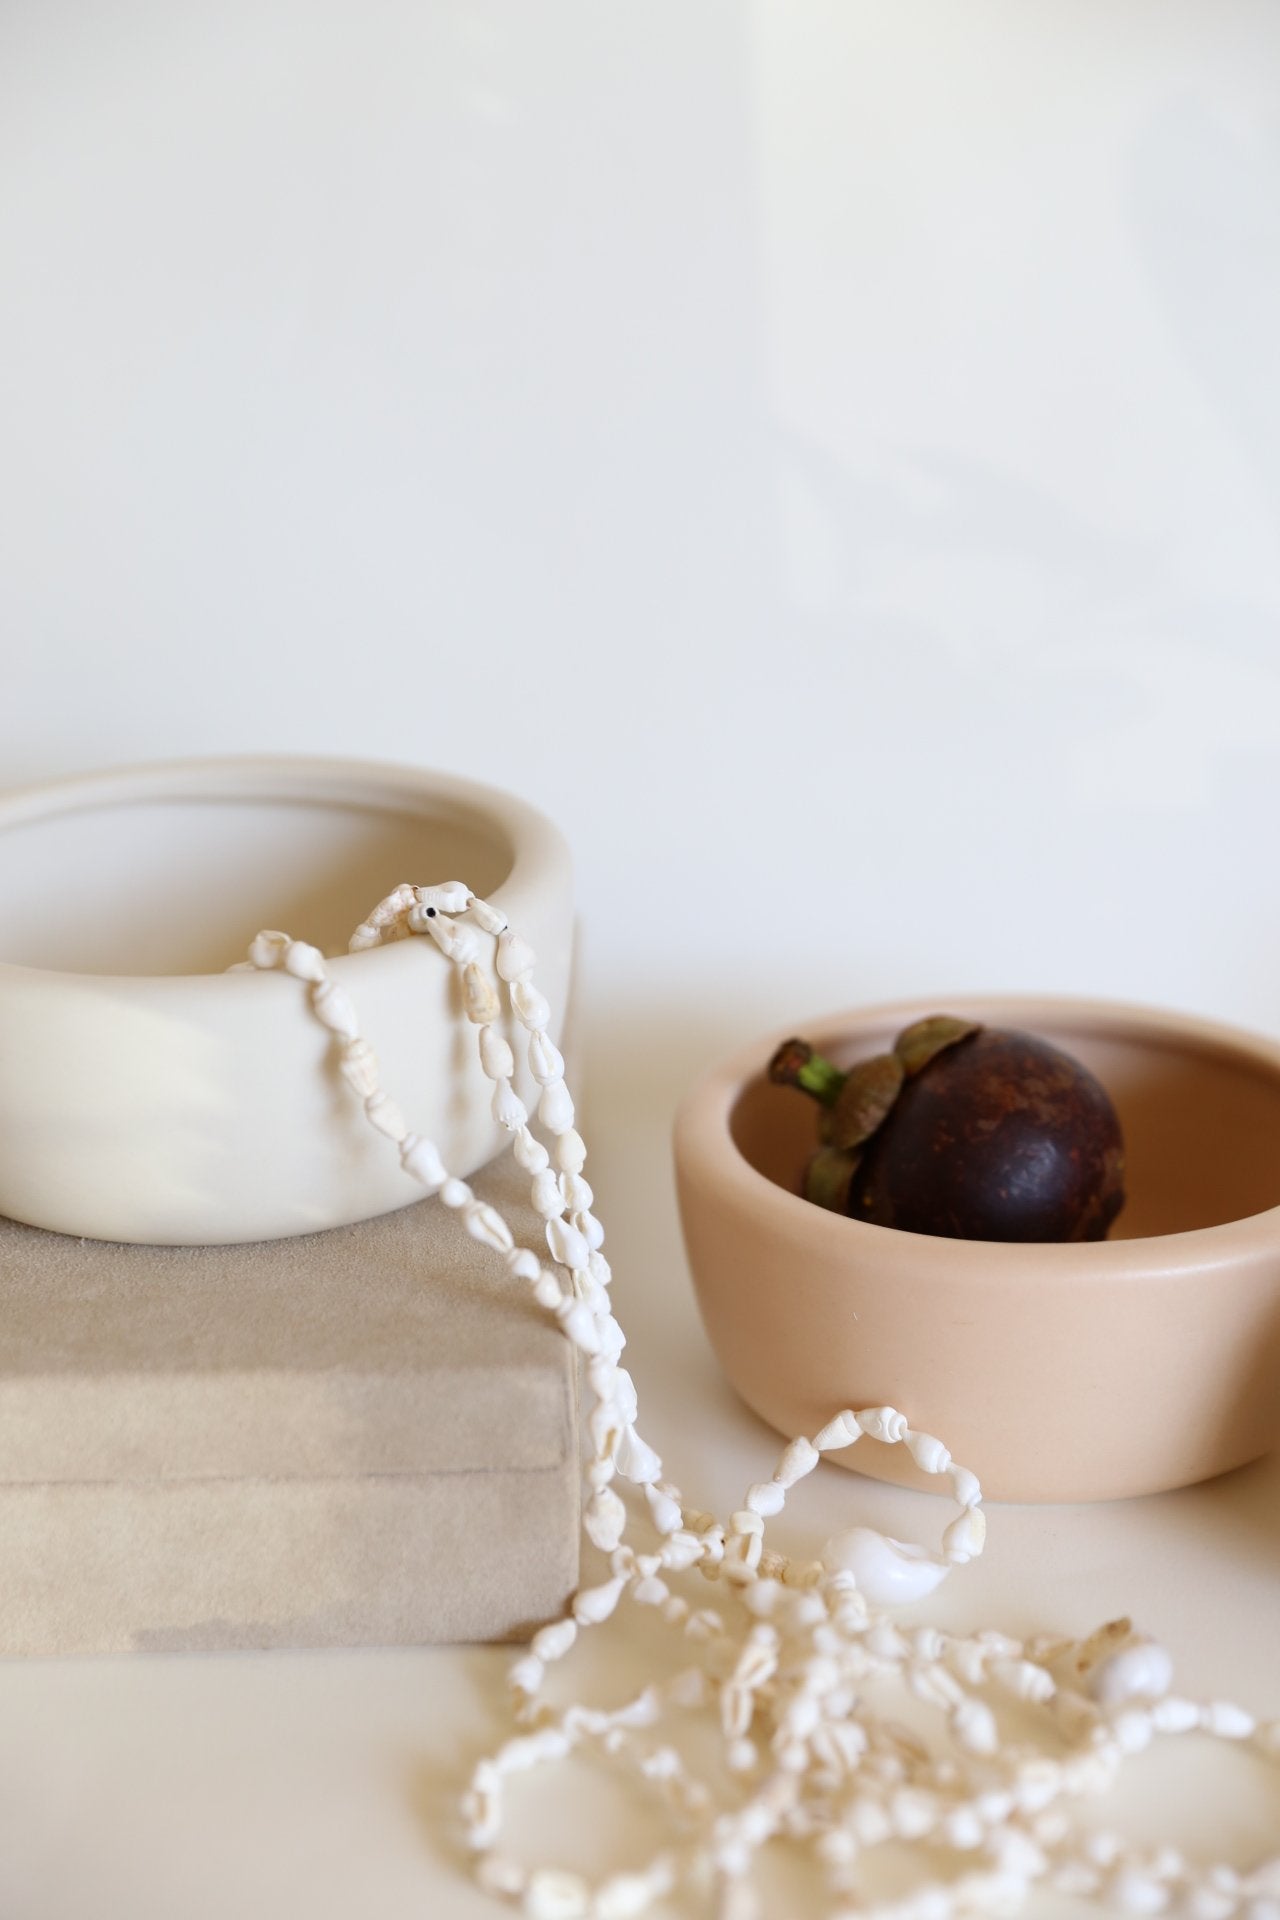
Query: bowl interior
{"points": [[1200, 1115], [180, 885]]}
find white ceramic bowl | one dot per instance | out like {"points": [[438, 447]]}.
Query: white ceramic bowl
{"points": [[148, 1095]]}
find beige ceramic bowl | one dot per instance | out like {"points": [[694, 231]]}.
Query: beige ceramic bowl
{"points": [[1055, 1372], [148, 1095]]}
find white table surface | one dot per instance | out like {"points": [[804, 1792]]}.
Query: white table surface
{"points": [[826, 453], [325, 1785]]}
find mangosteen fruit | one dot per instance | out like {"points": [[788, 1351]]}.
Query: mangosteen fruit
{"points": [[965, 1131]]}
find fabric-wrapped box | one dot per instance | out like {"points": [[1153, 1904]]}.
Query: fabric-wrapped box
{"points": [[360, 1437]]}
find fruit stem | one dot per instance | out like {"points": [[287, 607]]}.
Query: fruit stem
{"points": [[795, 1064]]}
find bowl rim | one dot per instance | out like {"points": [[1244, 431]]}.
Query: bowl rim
{"points": [[704, 1143], [534, 842]]}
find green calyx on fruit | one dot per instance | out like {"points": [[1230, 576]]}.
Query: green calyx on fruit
{"points": [[964, 1131], [859, 1100], [827, 1178], [925, 1039]]}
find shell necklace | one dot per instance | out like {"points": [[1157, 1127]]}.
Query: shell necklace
{"points": [[784, 1666]]}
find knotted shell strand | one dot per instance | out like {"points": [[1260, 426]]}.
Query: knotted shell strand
{"points": [[783, 1666]]}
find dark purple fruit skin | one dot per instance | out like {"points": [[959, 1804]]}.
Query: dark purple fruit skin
{"points": [[1001, 1137]]}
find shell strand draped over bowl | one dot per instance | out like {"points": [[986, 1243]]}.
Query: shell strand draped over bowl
{"points": [[786, 1653]]}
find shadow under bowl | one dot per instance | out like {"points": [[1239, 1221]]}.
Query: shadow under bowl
{"points": [[1056, 1372]]}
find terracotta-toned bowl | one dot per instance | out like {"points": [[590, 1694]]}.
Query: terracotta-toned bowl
{"points": [[1056, 1372]]}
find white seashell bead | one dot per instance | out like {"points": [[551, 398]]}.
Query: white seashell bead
{"points": [[636, 1459], [624, 1392], [571, 1152], [766, 1498], [485, 1224], [479, 996], [964, 1829], [389, 910], [546, 1062], [915, 1813], [604, 1518], [267, 949], [928, 1452], [383, 1113], [1175, 1715], [359, 1066], [516, 958], [530, 1153], [507, 1107], [1131, 1729], [612, 1338], [839, 1432], [1129, 1891], [553, 1893], [1142, 1670], [1024, 1679], [533, 1750], [422, 1159], [965, 1538], [681, 1550], [575, 1193], [455, 1193], [1018, 1853], [526, 1674], [883, 1423], [934, 1684], [604, 1429], [664, 1510], [1209, 1903], [591, 1230], [1228, 1721], [624, 1897], [599, 1269], [1039, 1783], [496, 1057], [798, 1458], [591, 1605], [333, 1009], [523, 1264], [532, 1008], [449, 897], [567, 1245], [553, 1641], [579, 1323], [602, 1380], [888, 1572], [486, 917], [304, 961], [974, 1726], [505, 1879], [545, 1194], [459, 944], [555, 1108], [965, 1486], [484, 1823]]}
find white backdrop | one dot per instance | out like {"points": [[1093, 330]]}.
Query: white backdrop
{"points": [[826, 453]]}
